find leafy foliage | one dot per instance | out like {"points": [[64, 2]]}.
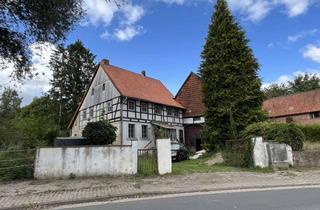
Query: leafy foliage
{"points": [[312, 132], [283, 133], [72, 69], [231, 86], [25, 22], [301, 83], [37, 123], [99, 133]]}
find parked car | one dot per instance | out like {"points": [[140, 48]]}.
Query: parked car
{"points": [[179, 151]]}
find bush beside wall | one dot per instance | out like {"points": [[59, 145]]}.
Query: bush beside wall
{"points": [[283, 133], [311, 132]]}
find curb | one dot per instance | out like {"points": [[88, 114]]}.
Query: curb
{"points": [[146, 195]]}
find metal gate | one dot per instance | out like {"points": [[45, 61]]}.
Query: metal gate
{"points": [[147, 161]]}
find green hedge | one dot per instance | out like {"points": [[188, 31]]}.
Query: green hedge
{"points": [[283, 133], [312, 132]]}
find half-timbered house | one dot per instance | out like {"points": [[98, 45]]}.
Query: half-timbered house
{"points": [[135, 104]]}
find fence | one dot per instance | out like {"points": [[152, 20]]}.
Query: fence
{"points": [[147, 161], [16, 164], [236, 152]]}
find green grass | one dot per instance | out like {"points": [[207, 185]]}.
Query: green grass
{"points": [[200, 166], [311, 146]]}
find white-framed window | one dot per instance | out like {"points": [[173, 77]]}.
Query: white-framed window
{"points": [[169, 111], [157, 109], [144, 107], [131, 131], [91, 113], [131, 105], [109, 106], [144, 131], [196, 118], [315, 115]]}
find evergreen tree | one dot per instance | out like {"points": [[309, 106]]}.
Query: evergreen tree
{"points": [[72, 69], [231, 86]]}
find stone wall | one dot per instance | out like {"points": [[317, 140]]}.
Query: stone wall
{"points": [[266, 154], [301, 119], [306, 159]]}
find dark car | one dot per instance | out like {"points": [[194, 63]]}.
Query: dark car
{"points": [[179, 151]]}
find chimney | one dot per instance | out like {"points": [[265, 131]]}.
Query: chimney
{"points": [[143, 73], [105, 61]]}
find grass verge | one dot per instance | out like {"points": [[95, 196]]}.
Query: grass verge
{"points": [[200, 166]]}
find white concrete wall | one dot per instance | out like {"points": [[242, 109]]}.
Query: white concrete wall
{"points": [[260, 153], [164, 156], [193, 120], [85, 161]]}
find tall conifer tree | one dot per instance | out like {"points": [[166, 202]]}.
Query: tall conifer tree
{"points": [[231, 86]]}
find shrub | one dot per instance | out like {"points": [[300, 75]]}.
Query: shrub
{"points": [[312, 132], [99, 133], [283, 133], [238, 153]]}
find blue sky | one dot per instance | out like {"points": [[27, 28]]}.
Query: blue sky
{"points": [[165, 37]]}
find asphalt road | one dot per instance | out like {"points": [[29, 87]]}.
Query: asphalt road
{"points": [[293, 199]]}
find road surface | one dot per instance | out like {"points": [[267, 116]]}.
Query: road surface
{"points": [[293, 199]]}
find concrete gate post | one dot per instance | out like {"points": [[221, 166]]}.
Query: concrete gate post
{"points": [[164, 156]]}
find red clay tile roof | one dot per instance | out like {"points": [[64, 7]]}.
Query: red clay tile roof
{"points": [[137, 86], [190, 96], [293, 104]]}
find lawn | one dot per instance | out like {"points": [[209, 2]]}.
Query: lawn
{"points": [[200, 166], [311, 146]]}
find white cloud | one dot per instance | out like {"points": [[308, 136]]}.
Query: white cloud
{"points": [[312, 52], [303, 34], [99, 12], [39, 84], [256, 10], [180, 2], [295, 7], [270, 45], [128, 32]]}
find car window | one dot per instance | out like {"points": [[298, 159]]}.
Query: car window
{"points": [[175, 146]]}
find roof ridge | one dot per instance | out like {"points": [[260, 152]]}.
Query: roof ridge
{"points": [[132, 72], [294, 94]]}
